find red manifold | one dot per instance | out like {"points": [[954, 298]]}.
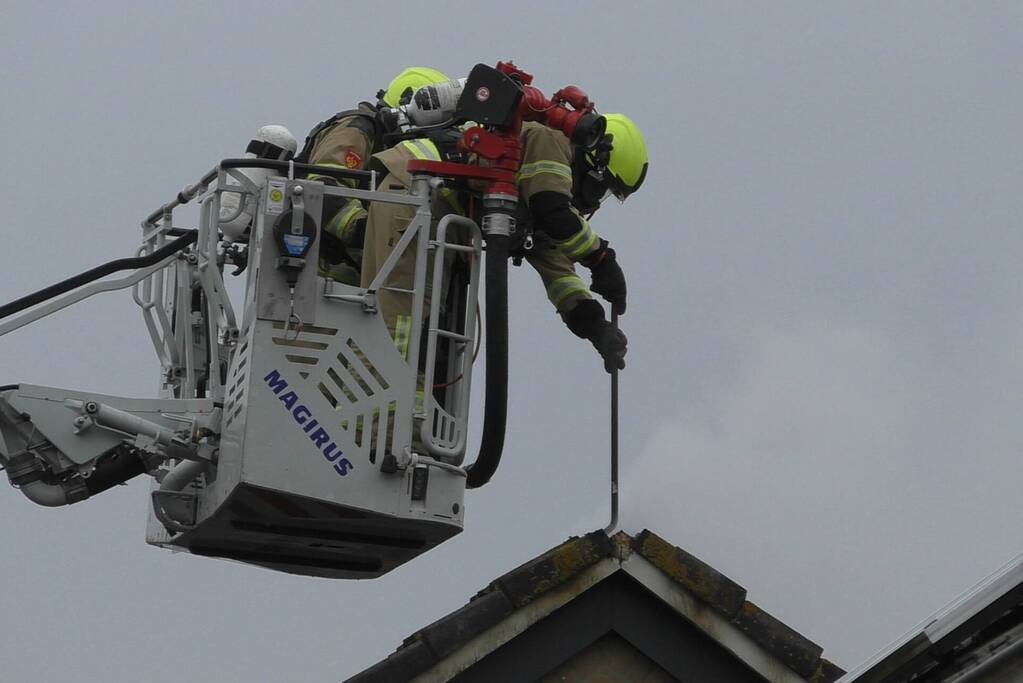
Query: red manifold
{"points": [[553, 112], [503, 148]]}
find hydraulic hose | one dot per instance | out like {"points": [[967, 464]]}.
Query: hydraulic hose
{"points": [[182, 474], [47, 495], [495, 410], [96, 273], [110, 471]]}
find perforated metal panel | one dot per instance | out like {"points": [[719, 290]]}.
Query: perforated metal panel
{"points": [[314, 407]]}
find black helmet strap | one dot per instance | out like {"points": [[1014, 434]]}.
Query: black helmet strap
{"points": [[590, 179]]}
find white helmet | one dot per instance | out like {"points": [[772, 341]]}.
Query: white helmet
{"points": [[270, 137], [270, 142]]}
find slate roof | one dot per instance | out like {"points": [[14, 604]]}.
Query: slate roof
{"points": [[565, 563]]}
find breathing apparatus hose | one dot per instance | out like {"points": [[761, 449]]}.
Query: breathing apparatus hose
{"points": [[495, 410]]}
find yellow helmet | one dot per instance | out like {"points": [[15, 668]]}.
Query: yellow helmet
{"points": [[411, 79], [628, 161]]}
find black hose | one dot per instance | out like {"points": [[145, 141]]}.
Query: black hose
{"points": [[132, 263], [330, 171], [495, 410], [185, 196], [190, 192]]}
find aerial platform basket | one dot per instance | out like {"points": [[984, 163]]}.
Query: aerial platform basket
{"points": [[289, 437]]}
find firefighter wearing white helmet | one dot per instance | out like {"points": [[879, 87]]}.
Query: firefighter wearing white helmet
{"points": [[270, 142], [561, 186], [347, 140]]}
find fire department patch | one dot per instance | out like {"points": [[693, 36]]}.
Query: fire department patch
{"points": [[352, 159]]}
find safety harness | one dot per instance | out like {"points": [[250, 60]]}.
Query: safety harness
{"points": [[589, 185]]}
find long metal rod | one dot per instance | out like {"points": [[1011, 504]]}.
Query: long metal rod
{"points": [[614, 443]]}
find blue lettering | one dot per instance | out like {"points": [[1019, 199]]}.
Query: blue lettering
{"points": [[331, 452], [320, 437], [277, 384], [304, 417]]}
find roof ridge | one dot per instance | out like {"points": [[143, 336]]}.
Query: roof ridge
{"points": [[728, 598], [554, 568]]}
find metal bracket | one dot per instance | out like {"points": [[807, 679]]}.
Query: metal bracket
{"points": [[175, 510]]}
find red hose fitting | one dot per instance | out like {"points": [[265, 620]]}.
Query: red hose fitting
{"points": [[579, 124], [512, 71], [574, 97]]}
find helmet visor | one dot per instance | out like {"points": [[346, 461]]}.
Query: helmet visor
{"points": [[618, 187]]}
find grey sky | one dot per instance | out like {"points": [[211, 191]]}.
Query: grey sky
{"points": [[823, 391]]}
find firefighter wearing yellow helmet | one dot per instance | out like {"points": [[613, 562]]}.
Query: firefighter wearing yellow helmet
{"points": [[387, 222], [626, 167], [404, 85], [348, 140], [561, 186]]}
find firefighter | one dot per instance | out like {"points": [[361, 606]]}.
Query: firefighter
{"points": [[385, 225], [270, 142], [347, 140], [560, 188], [387, 222]]}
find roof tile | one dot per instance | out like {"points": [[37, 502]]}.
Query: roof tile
{"points": [[449, 633], [797, 652], [403, 665], [555, 567], [826, 672], [697, 577]]}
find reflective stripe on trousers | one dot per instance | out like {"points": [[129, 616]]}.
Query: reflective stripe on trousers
{"points": [[402, 334], [564, 287], [579, 244]]}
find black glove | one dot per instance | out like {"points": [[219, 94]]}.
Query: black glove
{"points": [[608, 278], [331, 249], [587, 321], [611, 344]]}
